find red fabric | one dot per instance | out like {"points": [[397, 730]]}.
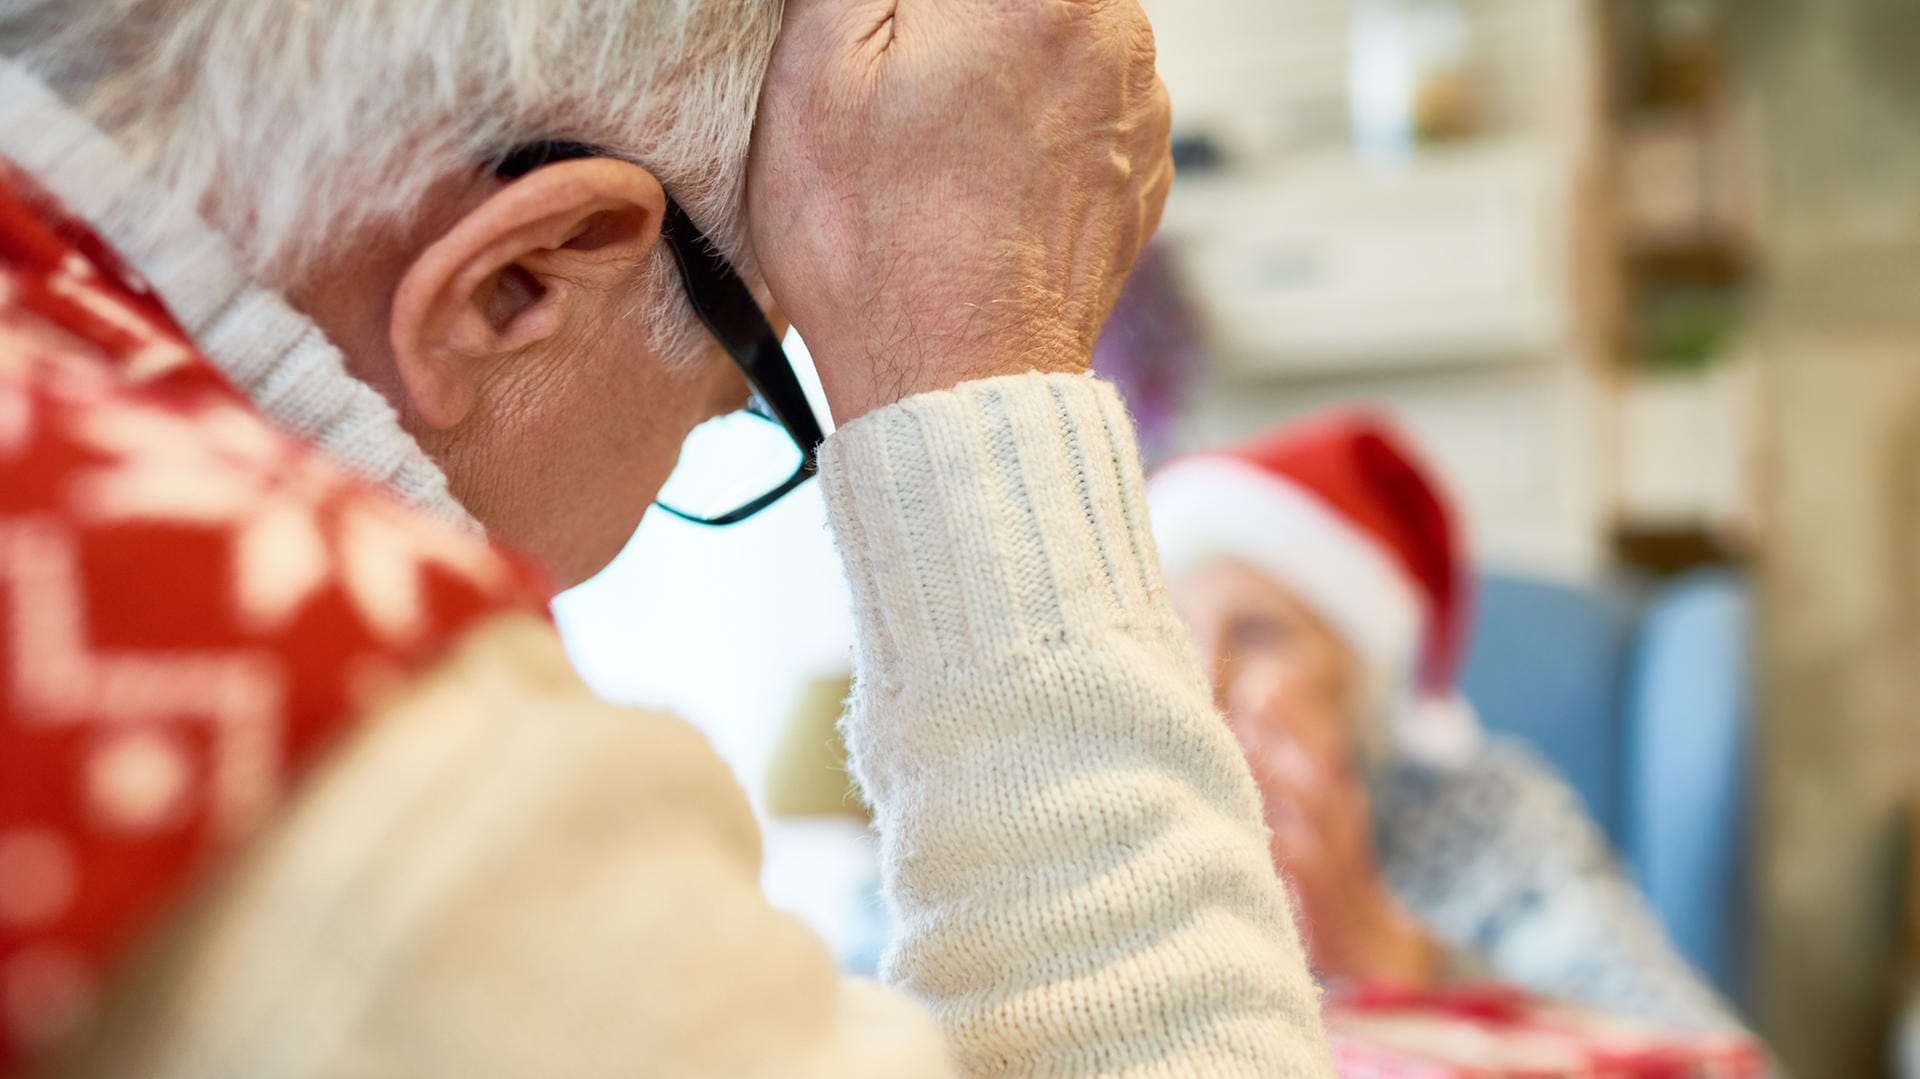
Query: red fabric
{"points": [[193, 606], [1360, 466], [1496, 1032]]}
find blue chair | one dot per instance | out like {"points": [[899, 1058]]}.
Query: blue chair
{"points": [[1548, 666], [1641, 700], [1688, 795]]}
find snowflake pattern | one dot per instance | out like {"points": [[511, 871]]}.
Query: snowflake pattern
{"points": [[193, 605], [221, 465], [1498, 857]]}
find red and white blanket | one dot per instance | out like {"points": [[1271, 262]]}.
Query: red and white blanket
{"points": [[1495, 1032]]}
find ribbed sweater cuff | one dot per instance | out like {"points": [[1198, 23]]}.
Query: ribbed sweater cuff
{"points": [[995, 518]]}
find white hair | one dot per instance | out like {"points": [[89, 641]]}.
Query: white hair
{"points": [[297, 126]]}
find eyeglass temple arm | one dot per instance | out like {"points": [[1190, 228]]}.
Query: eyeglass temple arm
{"points": [[719, 298], [723, 303]]}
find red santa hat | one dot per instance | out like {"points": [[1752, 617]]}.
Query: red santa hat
{"points": [[1341, 511]]}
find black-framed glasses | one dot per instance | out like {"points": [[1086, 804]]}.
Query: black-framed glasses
{"points": [[739, 464]]}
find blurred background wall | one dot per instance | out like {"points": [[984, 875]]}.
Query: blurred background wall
{"points": [[1837, 84], [1542, 278], [1648, 287]]}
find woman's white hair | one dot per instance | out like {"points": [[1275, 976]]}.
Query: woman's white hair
{"points": [[297, 126]]}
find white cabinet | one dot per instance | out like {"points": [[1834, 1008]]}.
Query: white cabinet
{"points": [[1456, 294], [1463, 292], [1466, 256]]}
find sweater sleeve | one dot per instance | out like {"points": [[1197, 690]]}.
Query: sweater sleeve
{"points": [[1071, 841]]}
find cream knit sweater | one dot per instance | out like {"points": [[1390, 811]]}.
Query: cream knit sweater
{"points": [[502, 876], [1069, 835]]}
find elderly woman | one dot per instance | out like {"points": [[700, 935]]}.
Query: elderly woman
{"points": [[329, 331], [1319, 570]]}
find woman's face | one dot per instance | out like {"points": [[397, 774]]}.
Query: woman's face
{"points": [[1280, 674]]}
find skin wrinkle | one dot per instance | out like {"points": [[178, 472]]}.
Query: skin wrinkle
{"points": [[514, 490], [491, 445], [880, 38]]}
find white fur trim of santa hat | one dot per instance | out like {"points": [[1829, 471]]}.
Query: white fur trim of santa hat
{"points": [[1207, 508]]}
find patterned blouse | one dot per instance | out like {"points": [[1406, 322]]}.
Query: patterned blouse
{"points": [[1501, 861]]}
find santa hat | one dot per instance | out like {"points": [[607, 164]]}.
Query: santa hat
{"points": [[1341, 511]]}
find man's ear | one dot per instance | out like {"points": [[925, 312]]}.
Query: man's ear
{"points": [[534, 262]]}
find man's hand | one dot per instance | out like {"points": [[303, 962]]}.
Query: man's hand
{"points": [[945, 190], [1323, 844]]}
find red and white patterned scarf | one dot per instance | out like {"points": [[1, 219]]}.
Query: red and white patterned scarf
{"points": [[193, 606]]}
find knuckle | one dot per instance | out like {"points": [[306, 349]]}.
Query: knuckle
{"points": [[1071, 18], [1146, 43]]}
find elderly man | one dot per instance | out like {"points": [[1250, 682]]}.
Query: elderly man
{"points": [[294, 779]]}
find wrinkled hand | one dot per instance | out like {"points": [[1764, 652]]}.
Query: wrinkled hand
{"points": [[944, 190], [1323, 843]]}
